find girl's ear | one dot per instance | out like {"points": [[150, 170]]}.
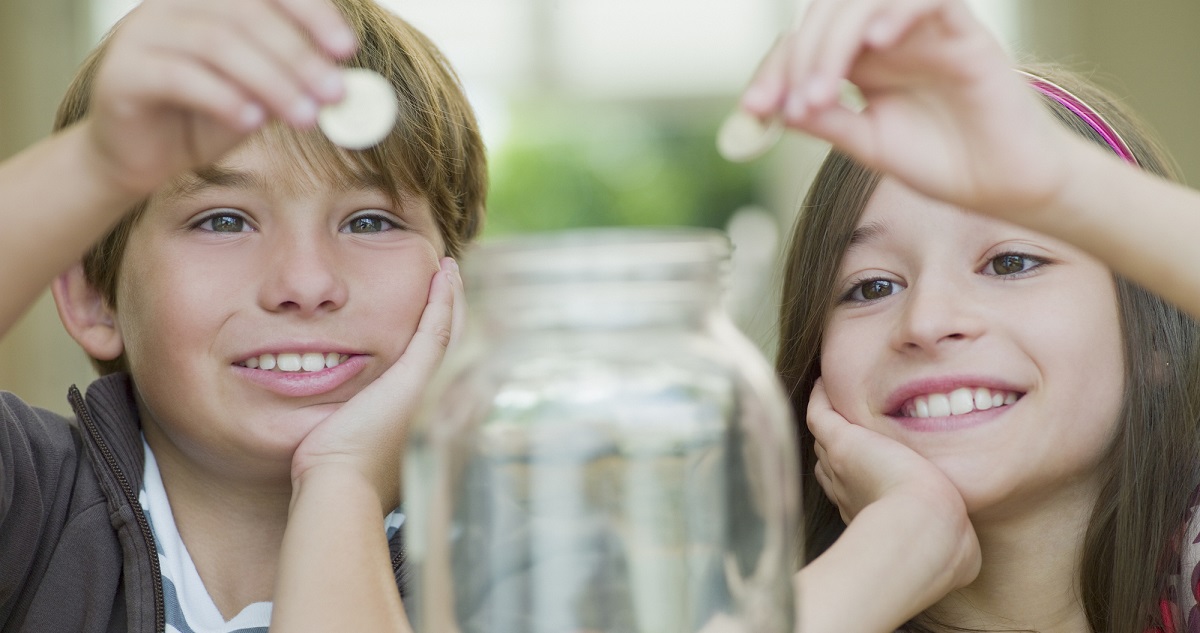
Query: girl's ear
{"points": [[85, 315]]}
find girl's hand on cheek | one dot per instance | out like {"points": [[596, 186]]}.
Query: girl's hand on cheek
{"points": [[945, 112], [857, 468], [183, 81], [368, 433]]}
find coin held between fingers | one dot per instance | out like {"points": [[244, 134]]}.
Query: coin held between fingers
{"points": [[365, 115]]}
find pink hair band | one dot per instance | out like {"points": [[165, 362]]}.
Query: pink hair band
{"points": [[1082, 110]]}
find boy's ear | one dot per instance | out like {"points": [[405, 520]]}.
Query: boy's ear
{"points": [[85, 315]]}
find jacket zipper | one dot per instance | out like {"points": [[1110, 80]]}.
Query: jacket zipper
{"points": [[85, 417]]}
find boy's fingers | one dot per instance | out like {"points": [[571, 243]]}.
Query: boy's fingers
{"points": [[287, 44], [197, 88], [458, 312], [429, 342], [208, 41], [324, 23]]}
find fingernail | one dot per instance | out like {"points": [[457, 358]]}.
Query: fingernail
{"points": [[880, 32], [252, 116], [757, 97], [817, 91], [304, 111], [796, 107], [343, 42], [330, 88]]}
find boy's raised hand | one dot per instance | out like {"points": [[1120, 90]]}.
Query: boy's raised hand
{"points": [[183, 81], [945, 113]]}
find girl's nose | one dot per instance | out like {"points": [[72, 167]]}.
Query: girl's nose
{"points": [[937, 313], [305, 277]]}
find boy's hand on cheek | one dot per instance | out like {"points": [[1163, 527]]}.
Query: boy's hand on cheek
{"points": [[368, 433], [183, 81]]}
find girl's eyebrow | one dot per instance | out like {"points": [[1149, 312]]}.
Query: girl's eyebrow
{"points": [[865, 234]]}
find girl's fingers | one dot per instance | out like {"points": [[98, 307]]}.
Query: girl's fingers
{"points": [[840, 40], [849, 130], [765, 94]]}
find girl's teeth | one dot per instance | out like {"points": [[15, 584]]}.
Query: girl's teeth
{"points": [[957, 402], [295, 362]]}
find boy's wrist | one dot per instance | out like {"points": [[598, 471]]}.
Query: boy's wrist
{"points": [[338, 478], [100, 170]]}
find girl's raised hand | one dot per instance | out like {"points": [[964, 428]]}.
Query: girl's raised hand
{"points": [[945, 113], [183, 81]]}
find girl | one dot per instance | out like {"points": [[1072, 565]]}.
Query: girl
{"points": [[1003, 379]]}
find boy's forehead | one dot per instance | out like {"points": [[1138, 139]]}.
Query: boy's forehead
{"points": [[263, 166]]}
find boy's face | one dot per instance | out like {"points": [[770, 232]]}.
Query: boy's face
{"points": [[259, 263]]}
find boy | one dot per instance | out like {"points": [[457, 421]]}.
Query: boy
{"points": [[264, 313]]}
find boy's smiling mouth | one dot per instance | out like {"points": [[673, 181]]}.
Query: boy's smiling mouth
{"points": [[293, 362], [957, 402]]}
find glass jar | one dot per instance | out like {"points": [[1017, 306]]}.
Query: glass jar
{"points": [[604, 451]]}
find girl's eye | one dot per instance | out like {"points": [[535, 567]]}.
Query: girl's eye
{"points": [[1007, 264], [223, 223], [369, 224], [872, 289]]}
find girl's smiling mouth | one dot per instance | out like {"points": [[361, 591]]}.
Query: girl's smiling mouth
{"points": [[957, 402]]}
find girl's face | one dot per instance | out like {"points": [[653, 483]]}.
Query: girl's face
{"points": [[992, 350]]}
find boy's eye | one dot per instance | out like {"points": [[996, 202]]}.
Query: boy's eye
{"points": [[223, 223], [1012, 264], [873, 289], [369, 224]]}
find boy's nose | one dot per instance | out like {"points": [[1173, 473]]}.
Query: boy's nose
{"points": [[937, 313], [303, 277]]}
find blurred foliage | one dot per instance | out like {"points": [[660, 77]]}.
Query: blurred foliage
{"points": [[568, 165]]}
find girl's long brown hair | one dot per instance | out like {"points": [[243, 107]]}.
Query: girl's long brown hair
{"points": [[1129, 550]]}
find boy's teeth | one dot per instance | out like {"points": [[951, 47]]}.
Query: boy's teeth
{"points": [[295, 362], [957, 402]]}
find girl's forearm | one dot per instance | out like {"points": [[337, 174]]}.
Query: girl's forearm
{"points": [[891, 563], [1143, 226], [335, 571]]}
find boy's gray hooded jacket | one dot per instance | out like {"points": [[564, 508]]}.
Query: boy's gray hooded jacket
{"points": [[76, 552]]}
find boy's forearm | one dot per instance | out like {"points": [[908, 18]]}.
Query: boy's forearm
{"points": [[55, 201], [335, 571]]}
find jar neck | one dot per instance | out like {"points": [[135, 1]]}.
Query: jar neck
{"points": [[599, 279]]}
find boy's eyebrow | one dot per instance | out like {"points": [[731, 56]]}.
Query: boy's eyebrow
{"points": [[193, 183]]}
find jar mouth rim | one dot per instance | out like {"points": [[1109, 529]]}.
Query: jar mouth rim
{"points": [[600, 250]]}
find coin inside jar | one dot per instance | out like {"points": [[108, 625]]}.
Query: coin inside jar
{"points": [[365, 115]]}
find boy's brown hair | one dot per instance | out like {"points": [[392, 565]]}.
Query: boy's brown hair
{"points": [[434, 151]]}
